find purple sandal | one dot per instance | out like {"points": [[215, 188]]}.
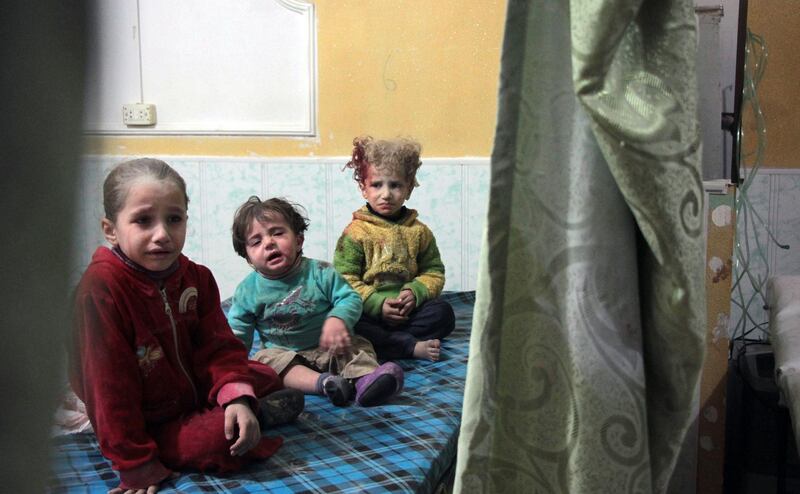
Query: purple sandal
{"points": [[379, 385]]}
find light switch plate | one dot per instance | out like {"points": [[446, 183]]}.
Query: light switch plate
{"points": [[134, 114]]}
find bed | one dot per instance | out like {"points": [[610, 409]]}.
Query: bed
{"points": [[407, 445]]}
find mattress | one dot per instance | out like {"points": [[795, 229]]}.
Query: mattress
{"points": [[407, 445]]}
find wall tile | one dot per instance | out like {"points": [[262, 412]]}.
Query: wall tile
{"points": [[189, 169], [89, 212], [225, 186], [440, 205], [477, 208], [787, 224], [345, 198], [307, 185]]}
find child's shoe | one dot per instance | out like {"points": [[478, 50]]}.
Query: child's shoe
{"points": [[280, 407], [338, 390], [379, 385]]}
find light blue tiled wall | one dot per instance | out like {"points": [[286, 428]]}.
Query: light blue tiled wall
{"points": [[787, 223], [451, 200]]}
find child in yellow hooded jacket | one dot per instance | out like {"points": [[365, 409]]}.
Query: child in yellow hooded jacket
{"points": [[390, 257]]}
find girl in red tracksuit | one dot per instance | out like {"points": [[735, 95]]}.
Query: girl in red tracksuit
{"points": [[167, 386]]}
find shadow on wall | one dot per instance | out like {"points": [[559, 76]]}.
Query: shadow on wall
{"points": [[42, 86]]}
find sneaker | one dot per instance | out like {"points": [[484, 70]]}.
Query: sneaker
{"points": [[379, 385], [338, 390], [280, 407]]}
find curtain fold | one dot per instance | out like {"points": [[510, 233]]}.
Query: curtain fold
{"points": [[588, 332]]}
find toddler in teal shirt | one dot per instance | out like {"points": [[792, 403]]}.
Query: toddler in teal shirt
{"points": [[303, 311]]}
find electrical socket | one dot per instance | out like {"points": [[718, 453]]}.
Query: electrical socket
{"points": [[139, 114]]}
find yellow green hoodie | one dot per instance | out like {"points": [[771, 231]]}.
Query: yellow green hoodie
{"points": [[380, 257]]}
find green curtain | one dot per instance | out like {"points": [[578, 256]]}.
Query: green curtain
{"points": [[588, 334]]}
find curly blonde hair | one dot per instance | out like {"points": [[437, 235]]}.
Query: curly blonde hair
{"points": [[399, 155]]}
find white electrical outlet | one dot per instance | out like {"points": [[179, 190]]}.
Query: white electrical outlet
{"points": [[139, 114]]}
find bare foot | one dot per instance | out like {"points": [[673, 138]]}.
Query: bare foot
{"points": [[428, 349]]}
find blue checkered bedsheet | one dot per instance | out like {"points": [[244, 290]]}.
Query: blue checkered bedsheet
{"points": [[407, 445]]}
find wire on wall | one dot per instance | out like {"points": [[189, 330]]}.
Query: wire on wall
{"points": [[751, 266], [139, 47]]}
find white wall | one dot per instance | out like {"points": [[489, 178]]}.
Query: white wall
{"points": [[245, 67]]}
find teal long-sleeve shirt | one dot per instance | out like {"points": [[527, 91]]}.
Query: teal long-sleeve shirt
{"points": [[290, 312]]}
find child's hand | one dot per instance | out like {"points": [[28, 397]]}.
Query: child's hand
{"points": [[392, 312], [239, 415], [407, 302], [334, 335]]}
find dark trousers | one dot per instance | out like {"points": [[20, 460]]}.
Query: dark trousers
{"points": [[434, 319]]}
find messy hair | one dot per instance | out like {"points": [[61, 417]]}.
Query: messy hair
{"points": [[119, 180], [399, 155], [294, 214]]}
